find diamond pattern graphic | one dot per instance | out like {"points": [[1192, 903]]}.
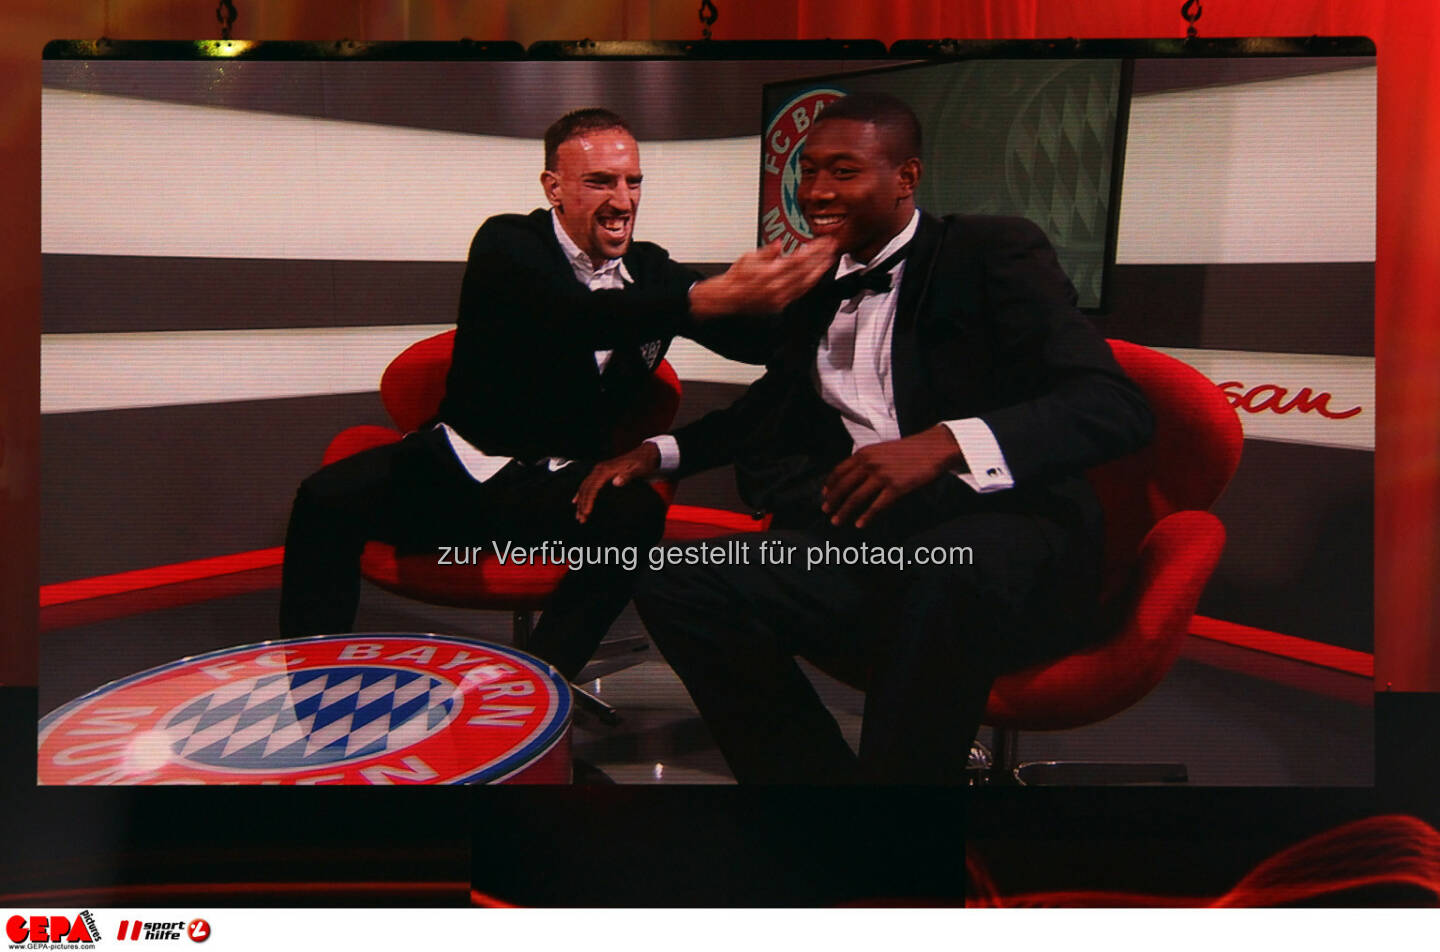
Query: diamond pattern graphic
{"points": [[1059, 166], [310, 718]]}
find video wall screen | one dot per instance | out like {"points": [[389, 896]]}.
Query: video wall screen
{"points": [[234, 250]]}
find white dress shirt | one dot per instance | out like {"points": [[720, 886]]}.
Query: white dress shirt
{"points": [[852, 373], [610, 275]]}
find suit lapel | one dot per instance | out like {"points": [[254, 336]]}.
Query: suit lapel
{"points": [[906, 374], [545, 226], [623, 360], [810, 317]]}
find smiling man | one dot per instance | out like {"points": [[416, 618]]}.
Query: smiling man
{"points": [[563, 319], [920, 441], [593, 184]]}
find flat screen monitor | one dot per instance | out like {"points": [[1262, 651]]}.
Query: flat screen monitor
{"points": [[236, 246], [1041, 139]]}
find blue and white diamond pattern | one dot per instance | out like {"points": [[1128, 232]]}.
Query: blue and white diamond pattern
{"points": [[312, 717]]}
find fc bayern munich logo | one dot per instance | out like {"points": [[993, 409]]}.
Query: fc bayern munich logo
{"points": [[342, 709], [780, 217]]}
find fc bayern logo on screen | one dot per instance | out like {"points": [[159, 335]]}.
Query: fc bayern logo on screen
{"points": [[780, 217], [338, 709]]}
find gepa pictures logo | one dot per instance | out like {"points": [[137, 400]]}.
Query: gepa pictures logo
{"points": [[52, 931]]}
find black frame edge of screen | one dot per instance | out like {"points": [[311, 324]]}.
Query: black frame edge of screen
{"points": [[466, 49]]}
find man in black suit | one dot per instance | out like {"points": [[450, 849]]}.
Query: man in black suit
{"points": [[920, 440], [562, 320]]}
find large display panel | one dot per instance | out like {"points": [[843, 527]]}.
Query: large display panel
{"points": [[1042, 140], [234, 249]]}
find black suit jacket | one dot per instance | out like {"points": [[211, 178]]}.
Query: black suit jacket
{"points": [[986, 327], [523, 381]]}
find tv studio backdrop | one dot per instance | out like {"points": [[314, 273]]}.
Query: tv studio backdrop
{"points": [[234, 250]]}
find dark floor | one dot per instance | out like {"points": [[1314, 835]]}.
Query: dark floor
{"points": [[1228, 728]]}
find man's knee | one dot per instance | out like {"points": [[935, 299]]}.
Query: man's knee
{"points": [[315, 489], [312, 497], [324, 493], [673, 584], [684, 601], [354, 484], [632, 514]]}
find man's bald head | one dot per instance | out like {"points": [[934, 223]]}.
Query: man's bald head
{"points": [[894, 122]]}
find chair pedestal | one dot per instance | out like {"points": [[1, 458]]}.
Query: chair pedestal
{"points": [[1002, 767], [522, 624], [978, 767], [614, 654], [592, 704], [1161, 546], [1071, 773]]}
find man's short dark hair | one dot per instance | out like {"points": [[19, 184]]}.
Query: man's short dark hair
{"points": [[895, 122], [578, 122]]}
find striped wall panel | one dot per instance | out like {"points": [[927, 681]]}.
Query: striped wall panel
{"points": [[230, 262]]}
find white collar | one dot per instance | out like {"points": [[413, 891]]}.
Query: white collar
{"points": [[580, 260], [849, 265]]}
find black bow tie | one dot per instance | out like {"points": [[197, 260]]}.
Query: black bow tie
{"points": [[875, 279]]}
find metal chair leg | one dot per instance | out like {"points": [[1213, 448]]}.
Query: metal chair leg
{"points": [[523, 622], [1007, 769], [523, 625], [1005, 760], [1081, 774], [592, 704]]}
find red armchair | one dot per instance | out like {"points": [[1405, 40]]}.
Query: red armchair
{"points": [[411, 389], [1161, 547]]}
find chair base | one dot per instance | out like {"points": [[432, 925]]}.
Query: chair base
{"points": [[1074, 773], [1003, 768], [590, 704], [614, 654], [979, 766]]}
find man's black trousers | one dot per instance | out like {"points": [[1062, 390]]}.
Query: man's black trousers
{"points": [[415, 495], [925, 641]]}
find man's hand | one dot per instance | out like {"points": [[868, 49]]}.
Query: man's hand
{"points": [[763, 281], [871, 480], [642, 461]]}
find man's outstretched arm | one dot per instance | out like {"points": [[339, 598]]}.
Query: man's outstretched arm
{"points": [[508, 272]]}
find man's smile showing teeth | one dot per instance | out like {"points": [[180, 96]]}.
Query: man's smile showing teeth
{"points": [[616, 226], [825, 221]]}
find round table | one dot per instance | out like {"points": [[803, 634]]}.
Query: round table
{"points": [[381, 708]]}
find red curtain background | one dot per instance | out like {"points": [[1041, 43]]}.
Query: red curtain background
{"points": [[1407, 338]]}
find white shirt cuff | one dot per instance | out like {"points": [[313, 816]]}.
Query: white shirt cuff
{"points": [[669, 452], [988, 471]]}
